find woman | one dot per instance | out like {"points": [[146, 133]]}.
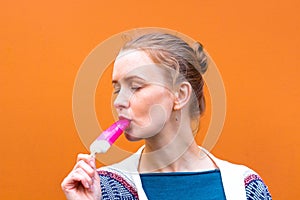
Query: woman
{"points": [[159, 89]]}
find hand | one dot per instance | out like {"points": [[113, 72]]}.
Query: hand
{"points": [[83, 182]]}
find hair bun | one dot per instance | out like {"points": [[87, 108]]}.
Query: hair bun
{"points": [[201, 56]]}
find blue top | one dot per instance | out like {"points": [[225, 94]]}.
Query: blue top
{"points": [[205, 185]]}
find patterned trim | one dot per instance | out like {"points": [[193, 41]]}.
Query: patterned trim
{"points": [[121, 180], [250, 178], [256, 189]]}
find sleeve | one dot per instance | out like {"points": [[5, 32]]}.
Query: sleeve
{"points": [[256, 189], [114, 186]]}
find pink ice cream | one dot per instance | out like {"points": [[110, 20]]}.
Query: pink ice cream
{"points": [[109, 136]]}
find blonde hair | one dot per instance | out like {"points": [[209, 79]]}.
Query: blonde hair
{"points": [[175, 53]]}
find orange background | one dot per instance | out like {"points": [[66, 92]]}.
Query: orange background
{"points": [[42, 45]]}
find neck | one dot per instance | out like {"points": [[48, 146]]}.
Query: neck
{"points": [[173, 153]]}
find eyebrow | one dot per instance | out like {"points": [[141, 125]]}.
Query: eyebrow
{"points": [[129, 78]]}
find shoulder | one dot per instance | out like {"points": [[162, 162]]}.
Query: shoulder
{"points": [[255, 186], [244, 178]]}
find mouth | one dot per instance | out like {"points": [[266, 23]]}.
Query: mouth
{"points": [[124, 117], [121, 117]]}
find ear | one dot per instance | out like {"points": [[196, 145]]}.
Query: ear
{"points": [[182, 95]]}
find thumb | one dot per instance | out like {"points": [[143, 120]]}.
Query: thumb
{"points": [[96, 176], [96, 181]]}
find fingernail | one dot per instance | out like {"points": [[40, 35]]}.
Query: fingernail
{"points": [[87, 185]]}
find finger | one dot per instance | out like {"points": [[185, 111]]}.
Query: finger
{"points": [[96, 183], [81, 176], [96, 177], [85, 157], [88, 159], [92, 162], [72, 180], [85, 167]]}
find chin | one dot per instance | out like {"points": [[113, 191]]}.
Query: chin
{"points": [[131, 138]]}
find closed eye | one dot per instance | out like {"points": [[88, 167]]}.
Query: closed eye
{"points": [[116, 91], [117, 88], [136, 88]]}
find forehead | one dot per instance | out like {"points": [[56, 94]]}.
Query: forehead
{"points": [[137, 63]]}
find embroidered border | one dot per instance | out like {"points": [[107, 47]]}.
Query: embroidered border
{"points": [[255, 188], [251, 177], [121, 180]]}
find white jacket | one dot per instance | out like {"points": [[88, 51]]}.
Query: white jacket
{"points": [[235, 178]]}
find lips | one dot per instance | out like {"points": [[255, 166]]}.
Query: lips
{"points": [[124, 117], [127, 118]]}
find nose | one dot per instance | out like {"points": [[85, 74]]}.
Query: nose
{"points": [[122, 100]]}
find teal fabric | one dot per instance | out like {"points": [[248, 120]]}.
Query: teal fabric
{"points": [[183, 185]]}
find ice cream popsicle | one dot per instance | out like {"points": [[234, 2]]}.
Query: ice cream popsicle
{"points": [[108, 137]]}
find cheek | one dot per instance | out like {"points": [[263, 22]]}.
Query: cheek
{"points": [[151, 107]]}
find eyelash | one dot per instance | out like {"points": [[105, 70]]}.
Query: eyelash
{"points": [[116, 91], [133, 88]]}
